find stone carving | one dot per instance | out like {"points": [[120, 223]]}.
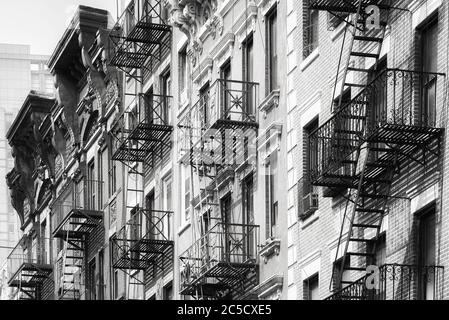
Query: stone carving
{"points": [[190, 16], [66, 96], [96, 75]]}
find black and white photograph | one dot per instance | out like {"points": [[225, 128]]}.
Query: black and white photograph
{"points": [[224, 154]]}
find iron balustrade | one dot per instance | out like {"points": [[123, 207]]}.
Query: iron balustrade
{"points": [[146, 232], [30, 261], [346, 5], [215, 120], [138, 34], [225, 246], [230, 100], [397, 282], [398, 106], [142, 127], [76, 206]]}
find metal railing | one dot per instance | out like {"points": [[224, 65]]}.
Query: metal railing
{"points": [[29, 252], [397, 282], [394, 99], [144, 225], [82, 196], [222, 244]]}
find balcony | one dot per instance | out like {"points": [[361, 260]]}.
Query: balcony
{"points": [[348, 6], [143, 130], [398, 282], [144, 241], [74, 213], [140, 34], [223, 259], [29, 265], [214, 130], [397, 109]]}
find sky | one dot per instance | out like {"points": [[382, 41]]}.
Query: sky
{"points": [[41, 23]]}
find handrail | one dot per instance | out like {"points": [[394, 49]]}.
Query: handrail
{"points": [[397, 282]]}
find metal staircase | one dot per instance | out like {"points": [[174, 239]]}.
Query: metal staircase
{"points": [[361, 148], [71, 265]]}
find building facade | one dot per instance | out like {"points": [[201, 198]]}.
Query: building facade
{"points": [[236, 150], [21, 72]]}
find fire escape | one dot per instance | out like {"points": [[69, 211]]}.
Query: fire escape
{"points": [[73, 218], [141, 135], [28, 267], [361, 149], [222, 261]]}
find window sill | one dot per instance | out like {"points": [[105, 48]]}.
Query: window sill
{"points": [[311, 58], [270, 247], [183, 228], [310, 220]]}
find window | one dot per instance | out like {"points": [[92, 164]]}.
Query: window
{"points": [[91, 190], [187, 199], [115, 284], [310, 31], [101, 284], [248, 207], [311, 288], [271, 199], [226, 76], [166, 93], [112, 170], [429, 63], [248, 75], [168, 291], [426, 254], [167, 206], [310, 161], [92, 281], [272, 54], [100, 180], [183, 71]]}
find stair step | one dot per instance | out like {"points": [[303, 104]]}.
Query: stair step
{"points": [[348, 131], [364, 54], [369, 39], [355, 269], [381, 149], [360, 240], [349, 161], [360, 254], [353, 117], [381, 23], [358, 70], [370, 210], [374, 196], [380, 165], [365, 226], [355, 85]]}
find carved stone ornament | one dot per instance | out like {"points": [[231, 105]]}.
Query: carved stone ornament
{"points": [[190, 16]]}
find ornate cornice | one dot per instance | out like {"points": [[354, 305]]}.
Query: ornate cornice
{"points": [[198, 20]]}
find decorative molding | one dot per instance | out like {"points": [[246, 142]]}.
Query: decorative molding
{"points": [[266, 6], [271, 247], [270, 102], [270, 141], [197, 20], [270, 289]]}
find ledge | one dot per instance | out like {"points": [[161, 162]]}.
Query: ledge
{"points": [[271, 247], [270, 288], [311, 58], [270, 102]]}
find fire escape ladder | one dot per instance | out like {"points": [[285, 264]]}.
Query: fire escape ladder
{"points": [[367, 213], [365, 42], [72, 260]]}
